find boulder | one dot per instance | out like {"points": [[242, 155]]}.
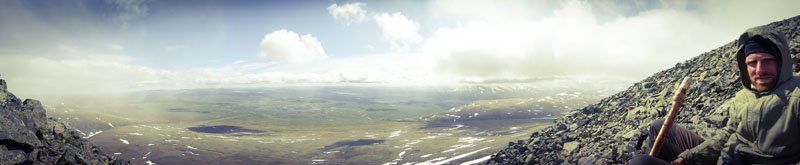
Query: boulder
{"points": [[569, 147]]}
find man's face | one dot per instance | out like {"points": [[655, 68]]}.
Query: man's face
{"points": [[763, 70]]}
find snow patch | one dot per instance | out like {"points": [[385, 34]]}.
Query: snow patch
{"points": [[92, 134], [469, 140], [457, 127], [395, 133], [425, 156], [432, 162], [193, 138], [145, 155], [477, 161]]}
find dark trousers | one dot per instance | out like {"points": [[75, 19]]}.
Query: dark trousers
{"points": [[678, 139]]}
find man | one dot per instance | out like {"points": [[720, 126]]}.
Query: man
{"points": [[764, 122]]}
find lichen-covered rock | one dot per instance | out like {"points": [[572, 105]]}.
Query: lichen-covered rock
{"points": [[613, 130], [27, 136]]}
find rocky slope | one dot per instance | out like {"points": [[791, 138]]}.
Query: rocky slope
{"points": [[611, 131], [27, 136]]}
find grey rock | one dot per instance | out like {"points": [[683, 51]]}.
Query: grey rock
{"points": [[569, 147], [587, 160], [34, 114], [3, 85], [27, 136]]}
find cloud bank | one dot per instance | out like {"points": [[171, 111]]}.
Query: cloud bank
{"points": [[398, 30], [571, 42], [471, 41]]}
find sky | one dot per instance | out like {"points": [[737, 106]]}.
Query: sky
{"points": [[92, 46]]}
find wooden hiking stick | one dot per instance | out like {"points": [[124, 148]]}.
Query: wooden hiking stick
{"points": [[680, 93]]}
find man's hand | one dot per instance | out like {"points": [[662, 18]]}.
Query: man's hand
{"points": [[679, 161]]}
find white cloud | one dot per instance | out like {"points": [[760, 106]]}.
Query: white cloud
{"points": [[351, 13], [398, 30], [289, 46], [573, 41]]}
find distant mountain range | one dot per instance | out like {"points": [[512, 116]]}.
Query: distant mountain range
{"points": [[613, 130]]}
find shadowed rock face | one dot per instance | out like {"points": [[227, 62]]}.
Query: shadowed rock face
{"points": [[612, 131], [27, 136]]}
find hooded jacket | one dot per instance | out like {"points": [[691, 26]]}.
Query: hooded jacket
{"points": [[763, 127]]}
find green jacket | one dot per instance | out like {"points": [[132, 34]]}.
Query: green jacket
{"points": [[763, 127]]}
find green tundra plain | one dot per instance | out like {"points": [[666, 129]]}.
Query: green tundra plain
{"points": [[316, 124]]}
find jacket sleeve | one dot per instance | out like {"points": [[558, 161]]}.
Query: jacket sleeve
{"points": [[708, 151]]}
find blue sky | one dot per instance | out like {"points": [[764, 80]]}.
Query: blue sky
{"points": [[170, 34], [144, 44]]}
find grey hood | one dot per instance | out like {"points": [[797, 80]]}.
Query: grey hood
{"points": [[779, 43]]}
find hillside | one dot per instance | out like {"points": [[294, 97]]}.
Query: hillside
{"points": [[611, 131], [28, 136]]}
